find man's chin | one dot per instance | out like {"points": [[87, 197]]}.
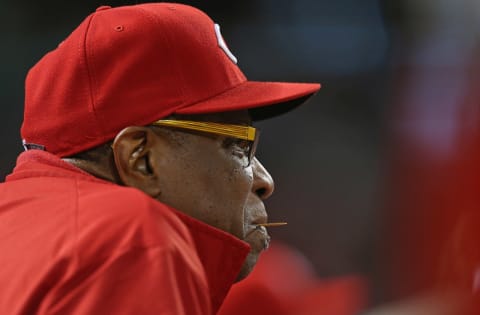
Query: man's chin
{"points": [[248, 266]]}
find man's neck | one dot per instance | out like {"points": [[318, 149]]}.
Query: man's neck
{"points": [[97, 169]]}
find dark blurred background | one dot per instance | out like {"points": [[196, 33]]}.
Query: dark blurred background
{"points": [[393, 73]]}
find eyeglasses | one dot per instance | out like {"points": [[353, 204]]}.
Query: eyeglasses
{"points": [[248, 133]]}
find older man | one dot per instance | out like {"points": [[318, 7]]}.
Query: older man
{"points": [[139, 191]]}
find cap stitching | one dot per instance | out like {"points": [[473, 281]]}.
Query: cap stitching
{"points": [[91, 74], [182, 88], [155, 19]]}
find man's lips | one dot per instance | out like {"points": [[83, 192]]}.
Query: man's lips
{"points": [[258, 238]]}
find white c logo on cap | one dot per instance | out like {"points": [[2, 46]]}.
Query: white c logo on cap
{"points": [[223, 45]]}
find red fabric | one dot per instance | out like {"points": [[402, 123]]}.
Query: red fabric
{"points": [[133, 65], [73, 244], [284, 283], [433, 200]]}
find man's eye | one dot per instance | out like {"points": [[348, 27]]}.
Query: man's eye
{"points": [[238, 145], [243, 144]]}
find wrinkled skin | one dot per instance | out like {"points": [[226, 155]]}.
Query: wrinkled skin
{"points": [[198, 174]]}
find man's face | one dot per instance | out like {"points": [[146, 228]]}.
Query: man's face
{"points": [[205, 177]]}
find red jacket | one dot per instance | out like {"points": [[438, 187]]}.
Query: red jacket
{"points": [[71, 243]]}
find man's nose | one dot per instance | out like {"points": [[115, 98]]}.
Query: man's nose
{"points": [[263, 184]]}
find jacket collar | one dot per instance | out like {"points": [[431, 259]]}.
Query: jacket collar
{"points": [[36, 163], [221, 254]]}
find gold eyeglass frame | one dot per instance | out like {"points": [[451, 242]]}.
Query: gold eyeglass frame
{"points": [[248, 133]]}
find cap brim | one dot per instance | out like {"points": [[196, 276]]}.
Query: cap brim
{"points": [[262, 99]]}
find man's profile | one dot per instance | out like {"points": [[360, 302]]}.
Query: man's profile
{"points": [[139, 191]]}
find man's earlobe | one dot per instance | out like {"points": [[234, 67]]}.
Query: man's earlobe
{"points": [[132, 151]]}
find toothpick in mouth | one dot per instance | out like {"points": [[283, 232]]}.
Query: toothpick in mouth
{"points": [[272, 224]]}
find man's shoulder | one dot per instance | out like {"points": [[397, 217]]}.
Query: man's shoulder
{"points": [[105, 197], [113, 221], [125, 217]]}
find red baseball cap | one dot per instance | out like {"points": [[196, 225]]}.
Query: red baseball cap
{"points": [[133, 65]]}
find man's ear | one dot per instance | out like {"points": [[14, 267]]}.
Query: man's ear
{"points": [[133, 155]]}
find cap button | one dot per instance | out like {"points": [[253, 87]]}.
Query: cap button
{"points": [[103, 7]]}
